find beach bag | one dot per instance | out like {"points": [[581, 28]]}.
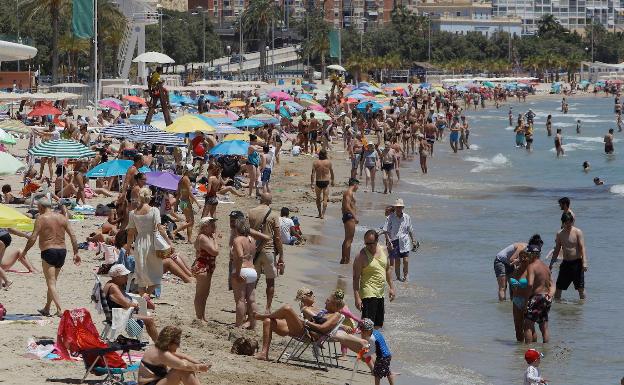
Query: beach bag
{"points": [[3, 312], [163, 250]]}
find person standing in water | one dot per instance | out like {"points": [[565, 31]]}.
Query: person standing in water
{"points": [[549, 125], [578, 126], [559, 143], [608, 142], [540, 289], [572, 270]]}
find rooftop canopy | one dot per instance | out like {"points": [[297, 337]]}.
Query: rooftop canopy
{"points": [[12, 51]]}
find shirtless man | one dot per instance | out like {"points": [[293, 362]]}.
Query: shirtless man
{"points": [[185, 203], [388, 163], [539, 296], [608, 141], [349, 219], [559, 143], [313, 133], [355, 154], [50, 228], [303, 133], [570, 241], [322, 174]]}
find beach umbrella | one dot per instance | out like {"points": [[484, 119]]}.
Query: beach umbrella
{"points": [[230, 114], [265, 118], [306, 96], [308, 102], [180, 99], [189, 123], [374, 106], [318, 115], [336, 67], [9, 164], [211, 98], [13, 219], [425, 85], [61, 148], [115, 167], [232, 147], [15, 126], [225, 130], [489, 84], [164, 180], [237, 104], [215, 119], [358, 96], [135, 99], [279, 95], [142, 133], [153, 57], [317, 107], [241, 136], [6, 138], [248, 123], [44, 109], [110, 104]]}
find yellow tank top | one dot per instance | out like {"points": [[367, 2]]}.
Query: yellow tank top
{"points": [[373, 279]]}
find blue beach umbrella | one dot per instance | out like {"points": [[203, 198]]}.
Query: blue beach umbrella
{"points": [[211, 98], [244, 123], [115, 167], [232, 147], [374, 106]]}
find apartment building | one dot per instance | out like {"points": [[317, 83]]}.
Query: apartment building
{"points": [[572, 14]]}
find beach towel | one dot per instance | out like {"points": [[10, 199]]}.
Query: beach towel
{"points": [[76, 332]]}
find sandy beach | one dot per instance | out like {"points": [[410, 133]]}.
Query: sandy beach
{"points": [[210, 342]]}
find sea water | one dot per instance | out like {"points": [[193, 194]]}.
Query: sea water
{"points": [[447, 326]]}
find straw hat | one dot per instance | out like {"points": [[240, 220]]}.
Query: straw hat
{"points": [[398, 203]]}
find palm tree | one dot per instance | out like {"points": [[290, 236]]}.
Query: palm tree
{"points": [[533, 63], [358, 64], [55, 8], [258, 18], [72, 47], [318, 45], [572, 63], [110, 33]]}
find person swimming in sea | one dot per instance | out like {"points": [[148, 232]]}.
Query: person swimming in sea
{"points": [[598, 181]]}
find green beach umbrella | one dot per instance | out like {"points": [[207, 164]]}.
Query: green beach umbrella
{"points": [[9, 164], [62, 148], [6, 138], [489, 84], [15, 126]]}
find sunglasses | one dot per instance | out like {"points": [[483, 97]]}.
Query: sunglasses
{"points": [[370, 243], [309, 294]]}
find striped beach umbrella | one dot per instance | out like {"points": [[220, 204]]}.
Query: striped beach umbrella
{"points": [[143, 133], [61, 148]]}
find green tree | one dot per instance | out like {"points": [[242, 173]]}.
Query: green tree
{"points": [[54, 8], [73, 49]]}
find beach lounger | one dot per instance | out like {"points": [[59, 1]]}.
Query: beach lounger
{"points": [[100, 366], [302, 343]]}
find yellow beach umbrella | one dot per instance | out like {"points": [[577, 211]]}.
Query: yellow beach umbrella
{"points": [[189, 123], [237, 104], [15, 126], [308, 102], [242, 136], [11, 218]]}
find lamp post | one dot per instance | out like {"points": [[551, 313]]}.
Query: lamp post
{"points": [[199, 9], [228, 49], [17, 18], [159, 8]]}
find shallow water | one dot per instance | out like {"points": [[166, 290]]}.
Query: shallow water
{"points": [[447, 326]]}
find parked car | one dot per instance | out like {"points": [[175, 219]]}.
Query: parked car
{"points": [[237, 58]]}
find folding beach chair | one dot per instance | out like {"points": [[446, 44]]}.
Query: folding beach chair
{"points": [[300, 345], [101, 367]]}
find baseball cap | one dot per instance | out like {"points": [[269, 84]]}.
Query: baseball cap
{"points": [[532, 355], [367, 324], [118, 270]]}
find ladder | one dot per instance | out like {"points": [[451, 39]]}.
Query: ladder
{"points": [[161, 95]]}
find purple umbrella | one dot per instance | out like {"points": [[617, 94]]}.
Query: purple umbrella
{"points": [[164, 180]]}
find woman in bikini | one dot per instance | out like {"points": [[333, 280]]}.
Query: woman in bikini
{"points": [[243, 273], [207, 249], [518, 284], [162, 364]]}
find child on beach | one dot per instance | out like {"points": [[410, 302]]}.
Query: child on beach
{"points": [[531, 375], [380, 367]]}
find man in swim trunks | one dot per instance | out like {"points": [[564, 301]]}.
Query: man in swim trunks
{"points": [[608, 141], [313, 133], [50, 228], [559, 143], [540, 290], [322, 174], [570, 241], [349, 219], [388, 163], [355, 154], [454, 136]]}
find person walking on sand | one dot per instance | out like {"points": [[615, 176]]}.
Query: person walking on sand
{"points": [[389, 161], [267, 161], [559, 143], [570, 241], [540, 289], [50, 228], [320, 178], [399, 238], [349, 219], [371, 273], [269, 257], [206, 252]]}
